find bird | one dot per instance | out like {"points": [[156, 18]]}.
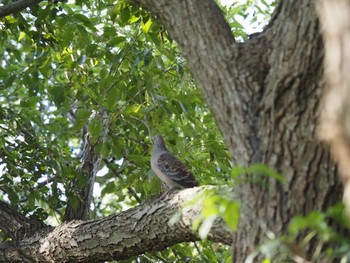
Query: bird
{"points": [[169, 169]]}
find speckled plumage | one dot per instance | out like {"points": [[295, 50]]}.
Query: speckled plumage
{"points": [[168, 168]]}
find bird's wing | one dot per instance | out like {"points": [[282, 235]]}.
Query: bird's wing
{"points": [[170, 166]]}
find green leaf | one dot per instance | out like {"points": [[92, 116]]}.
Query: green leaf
{"points": [[113, 97], [95, 128], [116, 40], [146, 26], [11, 20], [231, 214], [109, 188], [86, 21], [125, 15], [82, 116], [209, 206], [21, 36], [58, 95], [134, 19], [133, 109]]}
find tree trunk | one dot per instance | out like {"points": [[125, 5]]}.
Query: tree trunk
{"points": [[264, 95]]}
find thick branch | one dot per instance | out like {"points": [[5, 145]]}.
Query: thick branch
{"points": [[17, 6], [129, 233]]}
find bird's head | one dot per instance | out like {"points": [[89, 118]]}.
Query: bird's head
{"points": [[159, 141]]}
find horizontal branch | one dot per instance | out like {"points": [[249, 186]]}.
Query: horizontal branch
{"points": [[130, 233], [17, 6]]}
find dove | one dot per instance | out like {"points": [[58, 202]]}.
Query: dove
{"points": [[169, 169]]}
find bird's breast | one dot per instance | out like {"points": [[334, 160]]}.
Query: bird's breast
{"points": [[170, 183]]}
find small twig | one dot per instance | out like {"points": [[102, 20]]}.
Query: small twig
{"points": [[134, 194], [197, 248]]}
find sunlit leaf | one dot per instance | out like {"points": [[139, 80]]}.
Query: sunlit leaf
{"points": [[95, 128], [231, 214], [146, 26], [21, 36], [133, 19]]}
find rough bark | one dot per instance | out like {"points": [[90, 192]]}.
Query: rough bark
{"points": [[335, 121], [121, 236], [264, 95]]}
